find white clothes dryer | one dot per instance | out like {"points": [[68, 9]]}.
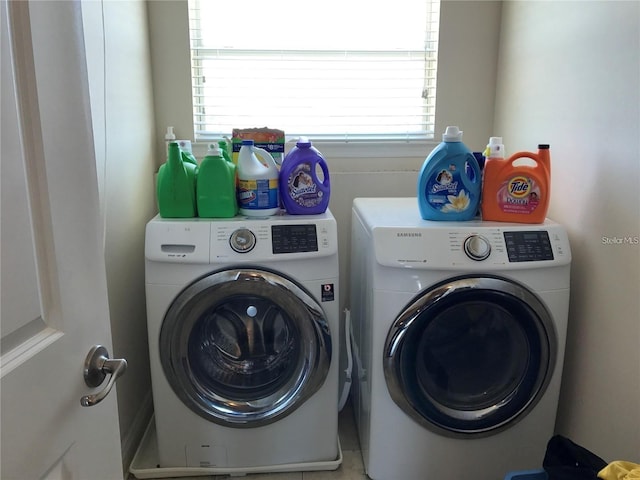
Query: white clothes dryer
{"points": [[459, 336], [243, 322]]}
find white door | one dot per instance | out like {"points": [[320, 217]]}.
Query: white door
{"points": [[54, 291]]}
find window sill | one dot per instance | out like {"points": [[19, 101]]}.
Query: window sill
{"points": [[365, 155]]}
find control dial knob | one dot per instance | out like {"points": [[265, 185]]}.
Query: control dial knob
{"points": [[477, 247], [242, 240]]}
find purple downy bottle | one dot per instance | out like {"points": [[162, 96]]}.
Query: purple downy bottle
{"points": [[301, 189]]}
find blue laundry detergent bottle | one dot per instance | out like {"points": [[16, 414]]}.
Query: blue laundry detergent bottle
{"points": [[449, 182]]}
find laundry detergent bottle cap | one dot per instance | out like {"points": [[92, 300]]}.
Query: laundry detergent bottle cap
{"points": [[304, 181], [517, 189], [216, 186], [495, 148], [449, 181], [257, 190], [452, 134], [176, 186]]}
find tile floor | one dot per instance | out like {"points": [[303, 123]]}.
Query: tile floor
{"points": [[350, 469]]}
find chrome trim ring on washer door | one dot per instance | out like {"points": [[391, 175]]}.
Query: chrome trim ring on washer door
{"points": [[245, 347], [470, 356]]}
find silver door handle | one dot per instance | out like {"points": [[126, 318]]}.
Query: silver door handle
{"points": [[97, 366]]}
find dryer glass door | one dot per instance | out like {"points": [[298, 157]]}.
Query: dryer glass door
{"points": [[245, 347], [470, 356]]}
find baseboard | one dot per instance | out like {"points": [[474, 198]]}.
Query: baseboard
{"points": [[134, 436]]}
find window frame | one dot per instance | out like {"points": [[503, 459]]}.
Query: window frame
{"points": [[420, 61], [466, 85]]}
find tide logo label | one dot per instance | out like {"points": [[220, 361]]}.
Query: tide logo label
{"points": [[519, 186]]}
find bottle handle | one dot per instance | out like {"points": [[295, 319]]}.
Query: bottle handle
{"points": [[266, 156], [530, 156], [325, 174], [517, 155]]}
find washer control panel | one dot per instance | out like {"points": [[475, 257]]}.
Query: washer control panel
{"points": [[280, 237], [241, 239], [294, 238], [284, 239]]}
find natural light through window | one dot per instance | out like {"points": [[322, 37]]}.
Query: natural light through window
{"points": [[339, 69]]}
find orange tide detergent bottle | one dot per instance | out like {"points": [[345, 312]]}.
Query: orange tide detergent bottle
{"points": [[516, 189]]}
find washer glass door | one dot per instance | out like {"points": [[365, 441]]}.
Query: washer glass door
{"points": [[471, 355], [245, 347]]}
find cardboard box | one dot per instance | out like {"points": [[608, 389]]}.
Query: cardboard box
{"points": [[271, 139]]}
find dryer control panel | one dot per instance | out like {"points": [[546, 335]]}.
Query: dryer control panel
{"points": [[472, 245], [394, 232], [527, 246]]}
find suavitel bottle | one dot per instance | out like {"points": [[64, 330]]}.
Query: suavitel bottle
{"points": [[302, 192], [449, 182], [257, 182], [517, 189], [176, 186], [216, 186]]}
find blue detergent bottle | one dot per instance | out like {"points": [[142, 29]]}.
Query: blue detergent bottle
{"points": [[449, 182]]}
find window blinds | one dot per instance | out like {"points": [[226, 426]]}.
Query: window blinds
{"points": [[341, 70]]}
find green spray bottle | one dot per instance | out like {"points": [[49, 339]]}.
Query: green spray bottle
{"points": [[216, 186], [176, 186]]}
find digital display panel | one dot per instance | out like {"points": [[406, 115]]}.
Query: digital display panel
{"points": [[528, 246], [294, 238]]}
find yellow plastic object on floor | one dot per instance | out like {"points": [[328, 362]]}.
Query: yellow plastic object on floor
{"points": [[620, 470]]}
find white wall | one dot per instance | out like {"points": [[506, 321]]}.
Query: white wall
{"points": [[116, 39], [569, 75]]}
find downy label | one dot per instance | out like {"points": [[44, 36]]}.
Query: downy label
{"points": [[519, 194]]}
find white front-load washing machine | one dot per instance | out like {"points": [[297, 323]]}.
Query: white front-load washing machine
{"points": [[459, 334], [243, 322]]}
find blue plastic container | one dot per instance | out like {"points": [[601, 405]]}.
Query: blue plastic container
{"points": [[538, 474], [449, 183]]}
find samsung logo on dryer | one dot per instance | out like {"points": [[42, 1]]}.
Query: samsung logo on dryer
{"points": [[408, 234]]}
